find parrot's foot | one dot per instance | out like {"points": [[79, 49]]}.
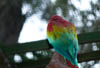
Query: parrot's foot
{"points": [[65, 62]]}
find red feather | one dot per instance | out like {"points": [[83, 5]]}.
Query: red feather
{"points": [[70, 65]]}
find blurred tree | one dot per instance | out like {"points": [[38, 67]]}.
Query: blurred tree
{"points": [[11, 21]]}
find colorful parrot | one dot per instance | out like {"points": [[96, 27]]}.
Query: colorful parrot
{"points": [[62, 36]]}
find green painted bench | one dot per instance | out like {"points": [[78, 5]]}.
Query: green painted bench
{"points": [[43, 45]]}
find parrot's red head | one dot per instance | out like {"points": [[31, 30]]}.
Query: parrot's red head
{"points": [[56, 20]]}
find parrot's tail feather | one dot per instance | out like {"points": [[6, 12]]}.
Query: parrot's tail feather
{"points": [[70, 65]]}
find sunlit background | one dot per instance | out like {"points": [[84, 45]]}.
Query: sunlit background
{"points": [[84, 14]]}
